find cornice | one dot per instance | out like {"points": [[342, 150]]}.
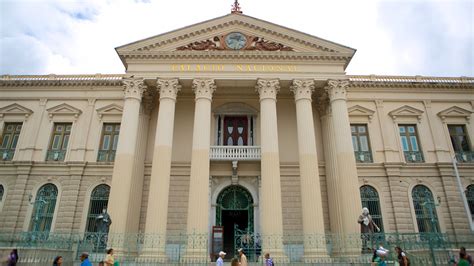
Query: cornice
{"points": [[61, 80], [373, 81], [232, 55]]}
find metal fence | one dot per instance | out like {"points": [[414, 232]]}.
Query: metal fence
{"points": [[193, 249]]}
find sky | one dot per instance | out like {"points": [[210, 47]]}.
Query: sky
{"points": [[392, 37]]}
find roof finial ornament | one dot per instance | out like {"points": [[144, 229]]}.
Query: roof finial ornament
{"points": [[236, 8]]}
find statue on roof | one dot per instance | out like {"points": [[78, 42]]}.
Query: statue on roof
{"points": [[236, 8]]}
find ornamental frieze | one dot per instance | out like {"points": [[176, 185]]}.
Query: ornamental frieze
{"points": [[235, 41]]}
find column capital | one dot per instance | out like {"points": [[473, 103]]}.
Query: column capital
{"points": [[268, 88], [204, 88], [337, 89], [133, 88], [302, 89], [168, 88]]}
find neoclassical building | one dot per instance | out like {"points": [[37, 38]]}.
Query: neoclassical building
{"points": [[235, 125]]}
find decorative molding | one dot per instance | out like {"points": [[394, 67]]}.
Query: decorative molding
{"points": [[455, 112], [134, 88], [406, 111], [358, 110], [302, 88], [168, 88], [337, 89], [322, 102], [235, 108], [15, 109], [114, 110], [268, 88], [63, 110], [218, 44], [204, 88], [61, 80]]}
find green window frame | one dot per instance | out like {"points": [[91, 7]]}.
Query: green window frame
{"points": [[461, 144], [361, 143], [470, 198], [10, 137], [59, 142], [410, 143], [99, 200], [370, 199], [425, 210], [43, 208], [108, 142], [2, 192]]}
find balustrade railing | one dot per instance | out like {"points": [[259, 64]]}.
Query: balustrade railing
{"points": [[363, 156], [55, 155], [230, 153], [465, 156], [413, 156], [7, 154]]}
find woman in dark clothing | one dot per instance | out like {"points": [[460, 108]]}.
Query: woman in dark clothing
{"points": [[402, 257], [13, 258], [58, 261]]}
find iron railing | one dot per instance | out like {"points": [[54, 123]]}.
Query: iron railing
{"points": [[7, 154], [55, 155], [363, 156], [37, 248], [465, 156], [413, 156]]}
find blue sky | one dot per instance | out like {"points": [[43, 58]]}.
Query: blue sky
{"points": [[392, 37]]}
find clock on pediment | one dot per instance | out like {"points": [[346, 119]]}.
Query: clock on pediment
{"points": [[235, 40]]}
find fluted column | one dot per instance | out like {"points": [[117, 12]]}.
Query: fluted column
{"points": [[347, 180], [313, 224], [157, 214], [120, 195], [271, 211], [198, 207]]}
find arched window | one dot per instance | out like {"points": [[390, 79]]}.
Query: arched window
{"points": [[43, 208], [98, 202], [470, 198], [370, 199], [425, 210]]}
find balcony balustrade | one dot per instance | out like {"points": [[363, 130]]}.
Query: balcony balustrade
{"points": [[235, 153], [465, 156], [413, 157]]}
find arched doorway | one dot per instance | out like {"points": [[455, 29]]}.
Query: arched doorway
{"points": [[234, 210]]}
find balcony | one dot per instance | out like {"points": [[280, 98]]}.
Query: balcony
{"points": [[55, 155], [235, 153], [465, 156], [363, 156], [413, 156], [106, 156]]}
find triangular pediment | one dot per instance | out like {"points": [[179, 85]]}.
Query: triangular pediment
{"points": [[259, 35], [406, 111], [455, 112], [111, 109], [64, 109], [15, 109], [358, 110]]}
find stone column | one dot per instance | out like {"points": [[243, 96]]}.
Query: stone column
{"points": [[347, 180], [119, 206], [313, 223], [157, 214], [271, 211], [198, 207]]}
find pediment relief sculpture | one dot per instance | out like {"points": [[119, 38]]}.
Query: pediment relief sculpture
{"points": [[406, 111], [455, 112], [235, 41], [15, 109]]}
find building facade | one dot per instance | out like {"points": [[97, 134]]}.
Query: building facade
{"points": [[240, 125]]}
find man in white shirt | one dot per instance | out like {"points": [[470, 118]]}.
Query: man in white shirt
{"points": [[220, 260]]}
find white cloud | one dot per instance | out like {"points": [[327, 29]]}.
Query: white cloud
{"points": [[80, 36]]}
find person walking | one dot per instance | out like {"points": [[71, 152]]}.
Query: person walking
{"points": [[58, 261], [13, 258], [243, 258], [268, 260], [85, 259], [462, 250], [109, 258], [234, 262], [220, 260], [402, 257]]}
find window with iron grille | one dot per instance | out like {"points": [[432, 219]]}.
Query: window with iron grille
{"points": [[59, 142], [108, 142], [361, 144], [460, 142], [410, 143], [370, 199], [425, 210], [43, 208], [470, 198], [99, 201], [10, 136]]}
